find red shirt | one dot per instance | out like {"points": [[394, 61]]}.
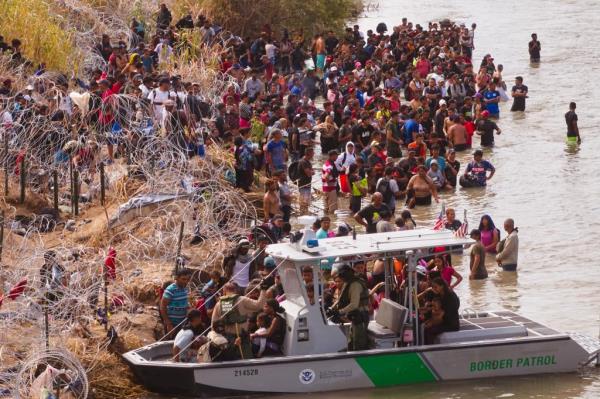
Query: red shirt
{"points": [[470, 127]]}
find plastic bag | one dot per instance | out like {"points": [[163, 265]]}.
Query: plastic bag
{"points": [[344, 184]]}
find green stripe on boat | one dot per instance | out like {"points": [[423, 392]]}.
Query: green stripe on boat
{"points": [[395, 369]]}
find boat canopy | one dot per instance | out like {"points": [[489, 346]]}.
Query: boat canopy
{"points": [[369, 244]]}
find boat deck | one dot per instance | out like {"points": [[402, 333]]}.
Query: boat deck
{"points": [[504, 318]]}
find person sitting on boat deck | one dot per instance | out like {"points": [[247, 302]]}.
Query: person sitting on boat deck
{"points": [[371, 214], [210, 290], [174, 304], [446, 270], [353, 305], [275, 329], [233, 311], [508, 248], [436, 314], [188, 338], [420, 189], [274, 228], [238, 265], [259, 343], [324, 231], [449, 306], [477, 258], [490, 235]]}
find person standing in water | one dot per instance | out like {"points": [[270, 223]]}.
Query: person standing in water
{"points": [[508, 249], [534, 48], [572, 127], [519, 94]]}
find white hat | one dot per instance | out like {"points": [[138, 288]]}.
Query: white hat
{"points": [[29, 87], [333, 69], [442, 102]]}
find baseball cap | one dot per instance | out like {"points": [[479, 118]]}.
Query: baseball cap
{"points": [[485, 114], [433, 162], [442, 102], [269, 262], [243, 242]]}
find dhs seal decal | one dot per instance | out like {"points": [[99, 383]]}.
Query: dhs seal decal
{"points": [[307, 376]]}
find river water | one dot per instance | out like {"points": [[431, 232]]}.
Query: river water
{"points": [[550, 190]]}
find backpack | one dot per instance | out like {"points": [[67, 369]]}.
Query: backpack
{"points": [[383, 187], [294, 171]]}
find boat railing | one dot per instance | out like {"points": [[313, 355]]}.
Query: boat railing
{"points": [[469, 313]]}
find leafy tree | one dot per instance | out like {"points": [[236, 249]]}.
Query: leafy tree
{"points": [[248, 17]]}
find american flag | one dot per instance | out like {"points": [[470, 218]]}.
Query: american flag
{"points": [[440, 222], [463, 229]]}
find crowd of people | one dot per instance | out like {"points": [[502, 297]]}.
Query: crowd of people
{"points": [[388, 109]]}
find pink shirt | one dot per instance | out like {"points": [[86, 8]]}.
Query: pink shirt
{"points": [[447, 273]]}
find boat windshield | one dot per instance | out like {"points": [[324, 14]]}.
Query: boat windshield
{"points": [[293, 287]]}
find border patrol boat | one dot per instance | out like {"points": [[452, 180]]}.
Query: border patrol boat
{"points": [[488, 344]]}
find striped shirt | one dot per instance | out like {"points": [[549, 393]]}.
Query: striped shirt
{"points": [[178, 303]]}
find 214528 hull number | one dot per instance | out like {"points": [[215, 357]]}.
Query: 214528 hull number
{"points": [[245, 372]]}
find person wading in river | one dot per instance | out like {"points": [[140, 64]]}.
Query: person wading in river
{"points": [[572, 127], [534, 48], [508, 248]]}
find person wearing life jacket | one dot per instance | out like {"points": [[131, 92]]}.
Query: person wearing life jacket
{"points": [[232, 312], [353, 305]]}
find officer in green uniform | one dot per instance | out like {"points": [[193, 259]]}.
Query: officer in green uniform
{"points": [[353, 305], [231, 314]]}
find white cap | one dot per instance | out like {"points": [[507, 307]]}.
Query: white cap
{"points": [[333, 69], [29, 87], [442, 102]]}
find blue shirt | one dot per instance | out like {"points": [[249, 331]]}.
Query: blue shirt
{"points": [[479, 169], [492, 108], [410, 126], [277, 151], [440, 160], [178, 305], [321, 234]]}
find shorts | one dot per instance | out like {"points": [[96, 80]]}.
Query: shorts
{"points": [[571, 139], [509, 268], [460, 147], [321, 61], [355, 203], [423, 200]]}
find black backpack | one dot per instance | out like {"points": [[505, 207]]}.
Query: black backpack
{"points": [[294, 171], [383, 187]]}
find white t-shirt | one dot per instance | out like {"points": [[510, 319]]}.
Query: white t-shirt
{"points": [[270, 50], [241, 274], [183, 339], [158, 97]]}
